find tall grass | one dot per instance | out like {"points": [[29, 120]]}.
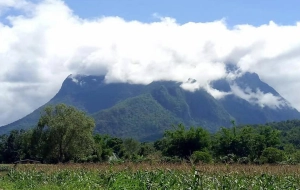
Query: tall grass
{"points": [[150, 176]]}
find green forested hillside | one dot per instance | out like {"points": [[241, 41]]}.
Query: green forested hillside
{"points": [[145, 111], [140, 117]]}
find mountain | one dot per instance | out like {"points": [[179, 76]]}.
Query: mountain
{"points": [[249, 113], [144, 112]]}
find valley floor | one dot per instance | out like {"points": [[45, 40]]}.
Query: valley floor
{"points": [[149, 176]]}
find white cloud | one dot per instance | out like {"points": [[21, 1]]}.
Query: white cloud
{"points": [[13, 3], [259, 98], [216, 93], [40, 48]]}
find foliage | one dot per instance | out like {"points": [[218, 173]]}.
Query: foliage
{"points": [[147, 149], [182, 143], [200, 156], [272, 155], [67, 133], [140, 117], [140, 177], [245, 141], [15, 146], [64, 134], [131, 148]]}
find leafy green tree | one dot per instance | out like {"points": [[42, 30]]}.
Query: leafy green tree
{"points": [[264, 137], [270, 136], [15, 146], [131, 148], [201, 156], [182, 143], [289, 148], [3, 140], [116, 145], [38, 145], [106, 145], [97, 148], [147, 149], [296, 156], [293, 137], [245, 141], [12, 150], [65, 132], [225, 142], [25, 144], [272, 155]]}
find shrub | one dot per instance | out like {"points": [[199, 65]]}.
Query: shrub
{"points": [[272, 155], [200, 156], [243, 160], [296, 156]]}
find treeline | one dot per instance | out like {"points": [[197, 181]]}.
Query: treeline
{"points": [[65, 134]]}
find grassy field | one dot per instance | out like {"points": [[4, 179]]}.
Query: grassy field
{"points": [[149, 176]]}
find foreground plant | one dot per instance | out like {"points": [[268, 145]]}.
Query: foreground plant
{"points": [[145, 176]]}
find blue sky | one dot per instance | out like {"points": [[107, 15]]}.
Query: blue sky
{"points": [[254, 12]]}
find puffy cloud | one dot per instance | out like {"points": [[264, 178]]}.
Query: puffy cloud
{"points": [[46, 43]]}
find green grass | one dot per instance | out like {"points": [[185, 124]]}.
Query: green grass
{"points": [[146, 176]]}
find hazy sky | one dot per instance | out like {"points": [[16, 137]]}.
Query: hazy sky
{"points": [[43, 41]]}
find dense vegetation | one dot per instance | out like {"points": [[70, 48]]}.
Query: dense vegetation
{"points": [[149, 176], [65, 134], [127, 116]]}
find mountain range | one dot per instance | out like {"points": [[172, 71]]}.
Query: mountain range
{"points": [[144, 112]]}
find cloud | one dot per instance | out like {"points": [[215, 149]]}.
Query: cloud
{"points": [[257, 97], [45, 43], [7, 5], [13, 3]]}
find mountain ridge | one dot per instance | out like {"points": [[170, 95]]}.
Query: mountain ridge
{"points": [[163, 103]]}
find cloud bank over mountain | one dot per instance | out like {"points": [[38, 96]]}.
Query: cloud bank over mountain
{"points": [[42, 43]]}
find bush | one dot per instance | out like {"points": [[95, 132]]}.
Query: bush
{"points": [[243, 160], [296, 157], [272, 155], [200, 156], [229, 159]]}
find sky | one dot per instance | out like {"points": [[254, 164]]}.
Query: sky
{"points": [[44, 41], [235, 12]]}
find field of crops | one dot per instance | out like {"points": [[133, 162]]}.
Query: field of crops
{"points": [[149, 176]]}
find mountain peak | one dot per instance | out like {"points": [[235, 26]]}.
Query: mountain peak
{"points": [[145, 111]]}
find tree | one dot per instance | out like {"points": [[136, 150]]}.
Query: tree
{"points": [[183, 143], [131, 147], [14, 146], [272, 155], [3, 148], [245, 141], [225, 142], [201, 156], [65, 133], [270, 136], [146, 149], [293, 137]]}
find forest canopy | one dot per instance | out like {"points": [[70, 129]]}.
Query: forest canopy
{"points": [[65, 134]]}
